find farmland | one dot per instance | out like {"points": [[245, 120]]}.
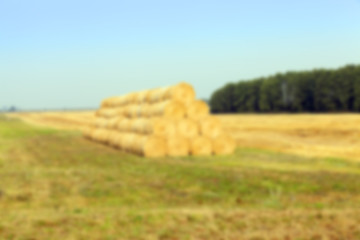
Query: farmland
{"points": [[291, 177]]}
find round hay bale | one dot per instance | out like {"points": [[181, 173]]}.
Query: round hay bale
{"points": [[141, 97], [121, 111], [187, 128], [112, 123], [107, 102], [182, 92], [177, 146], [197, 109], [118, 101], [123, 125], [169, 109], [156, 95], [129, 141], [101, 135], [223, 145], [130, 98], [109, 112], [115, 139], [210, 127], [200, 146], [159, 127], [145, 110], [101, 122], [150, 146], [133, 111], [138, 125], [97, 113]]}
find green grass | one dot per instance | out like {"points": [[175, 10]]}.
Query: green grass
{"points": [[55, 184]]}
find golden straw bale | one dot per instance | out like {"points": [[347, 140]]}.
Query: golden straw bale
{"points": [[132, 111], [200, 146], [129, 142], [138, 125], [177, 146], [210, 127], [223, 144], [115, 139], [197, 109], [123, 125], [101, 122], [101, 135], [145, 110], [137, 110], [130, 98], [121, 111], [118, 101], [182, 92], [170, 109], [112, 123], [107, 102], [141, 97], [150, 146], [156, 95], [159, 127], [187, 128], [108, 112]]}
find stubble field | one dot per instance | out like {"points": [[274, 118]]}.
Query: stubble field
{"points": [[291, 177]]}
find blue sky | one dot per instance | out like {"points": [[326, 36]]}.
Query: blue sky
{"points": [[63, 54]]}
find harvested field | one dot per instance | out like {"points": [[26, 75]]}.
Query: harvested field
{"points": [[57, 185], [322, 135]]}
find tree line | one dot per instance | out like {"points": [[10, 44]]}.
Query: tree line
{"points": [[319, 90]]}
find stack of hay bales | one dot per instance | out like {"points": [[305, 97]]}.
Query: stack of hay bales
{"points": [[159, 122]]}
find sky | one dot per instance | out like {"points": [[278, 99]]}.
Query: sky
{"points": [[72, 54]]}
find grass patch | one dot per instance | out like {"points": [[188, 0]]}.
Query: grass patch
{"points": [[64, 183]]}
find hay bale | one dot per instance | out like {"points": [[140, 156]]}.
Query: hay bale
{"points": [[110, 112], [200, 146], [141, 97], [156, 95], [128, 142], [159, 127], [123, 125], [130, 98], [153, 126], [187, 128], [177, 146], [210, 127], [223, 145], [101, 122], [134, 111], [150, 146], [100, 135], [137, 125], [106, 102], [182, 92], [113, 138], [112, 123], [145, 110], [169, 109], [197, 109], [118, 101]]}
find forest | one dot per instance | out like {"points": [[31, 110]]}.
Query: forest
{"points": [[319, 90]]}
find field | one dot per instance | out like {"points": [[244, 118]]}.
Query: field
{"points": [[292, 177]]}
